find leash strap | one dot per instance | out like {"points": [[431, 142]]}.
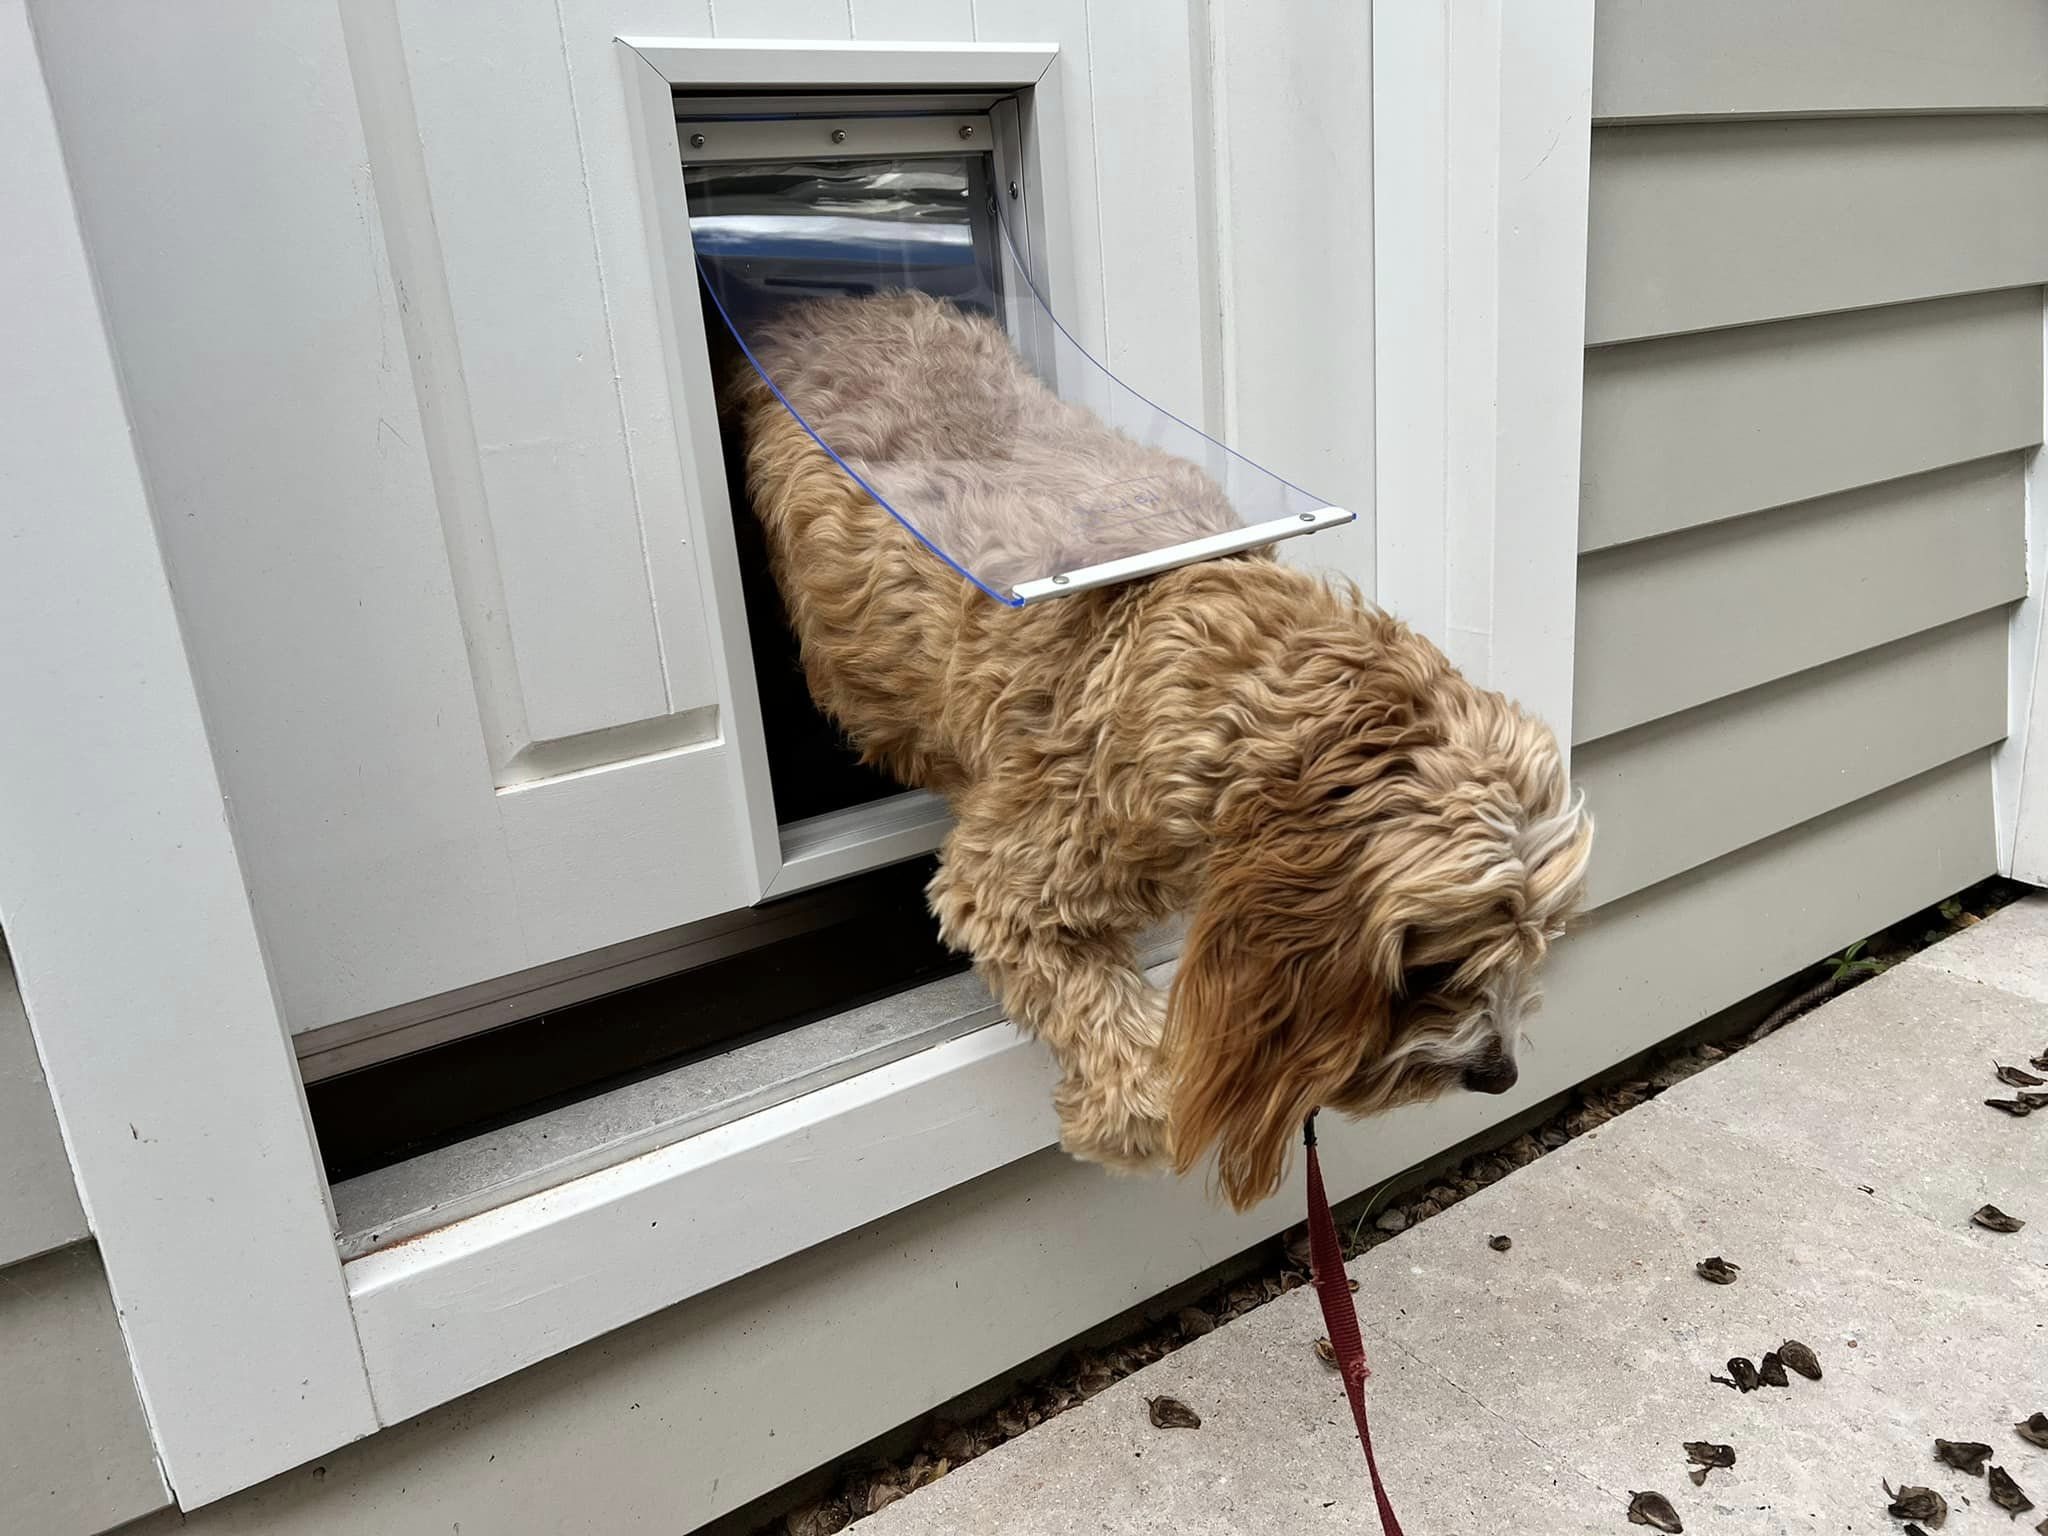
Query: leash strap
{"points": [[1340, 1316]]}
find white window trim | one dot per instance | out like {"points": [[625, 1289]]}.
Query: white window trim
{"points": [[253, 1346]]}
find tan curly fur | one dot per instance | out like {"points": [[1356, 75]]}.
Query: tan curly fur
{"points": [[1375, 854]]}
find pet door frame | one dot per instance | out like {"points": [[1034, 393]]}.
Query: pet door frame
{"points": [[887, 101]]}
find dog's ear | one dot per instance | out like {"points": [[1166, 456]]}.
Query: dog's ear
{"points": [[1276, 1001]]}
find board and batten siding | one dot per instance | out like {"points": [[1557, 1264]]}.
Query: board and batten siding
{"points": [[1813, 381]]}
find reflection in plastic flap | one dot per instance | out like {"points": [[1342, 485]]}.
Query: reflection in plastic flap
{"points": [[885, 305]]}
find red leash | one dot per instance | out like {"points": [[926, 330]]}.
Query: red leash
{"points": [[1340, 1316]]}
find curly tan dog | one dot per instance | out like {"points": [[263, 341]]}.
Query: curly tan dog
{"points": [[1375, 853]]}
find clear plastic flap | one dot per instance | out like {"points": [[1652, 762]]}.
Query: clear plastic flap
{"points": [[885, 304]]}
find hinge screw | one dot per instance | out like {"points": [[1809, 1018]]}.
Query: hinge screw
{"points": [[696, 141], [1308, 517], [1059, 581], [967, 130], [1013, 191], [838, 135]]}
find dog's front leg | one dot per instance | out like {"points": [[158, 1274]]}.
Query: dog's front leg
{"points": [[1079, 990]]}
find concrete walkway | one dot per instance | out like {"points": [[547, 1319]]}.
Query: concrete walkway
{"points": [[1837, 1162]]}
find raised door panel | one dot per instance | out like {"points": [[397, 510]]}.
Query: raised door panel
{"points": [[293, 362]]}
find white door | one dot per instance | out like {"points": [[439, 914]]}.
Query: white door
{"points": [[387, 330]]}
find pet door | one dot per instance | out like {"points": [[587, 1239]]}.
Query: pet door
{"points": [[1045, 475]]}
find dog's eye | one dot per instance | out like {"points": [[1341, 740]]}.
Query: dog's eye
{"points": [[1428, 978]]}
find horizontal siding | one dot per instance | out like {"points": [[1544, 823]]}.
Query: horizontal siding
{"points": [[1685, 790], [1677, 952], [75, 1455], [1710, 58], [1691, 429], [39, 1207], [1683, 620], [1695, 226], [1024, 1259]]}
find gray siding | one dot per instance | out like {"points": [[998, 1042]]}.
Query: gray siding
{"points": [[75, 1455], [1814, 318], [1701, 225], [38, 1202], [1726, 58]]}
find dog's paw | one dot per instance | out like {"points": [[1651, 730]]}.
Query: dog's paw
{"points": [[1121, 1126]]}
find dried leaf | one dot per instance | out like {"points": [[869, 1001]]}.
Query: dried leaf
{"points": [[1964, 1455], [1704, 1453], [1717, 1269], [1771, 1370], [1395, 1220], [2017, 1108], [1172, 1413], [2013, 1077], [1917, 1504], [1653, 1509], [2032, 1100], [1352, 1282], [1721, 1379], [2040, 1062], [1194, 1323], [1327, 1353], [1698, 1476], [882, 1495], [2034, 1429], [820, 1519], [1799, 1358], [1744, 1372], [2005, 1493], [1992, 1219], [1500, 1242]]}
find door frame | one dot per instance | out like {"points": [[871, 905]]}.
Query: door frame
{"points": [[253, 1346]]}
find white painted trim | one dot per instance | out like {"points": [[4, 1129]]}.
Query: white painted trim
{"points": [[477, 1300], [810, 138], [744, 64], [1481, 143], [2019, 799], [123, 899]]}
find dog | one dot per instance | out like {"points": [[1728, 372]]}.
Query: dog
{"points": [[1373, 853]]}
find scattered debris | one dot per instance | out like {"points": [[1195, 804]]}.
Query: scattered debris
{"points": [[1327, 1353], [1500, 1242], [1705, 1456], [1744, 1372], [1964, 1455], [1717, 1269], [2017, 1108], [1395, 1220], [1653, 1509], [1992, 1219], [2013, 1077], [1194, 1322], [2034, 1429], [1922, 1504], [1799, 1358], [2040, 1062], [1172, 1413], [2005, 1493], [1771, 1370], [2032, 1100]]}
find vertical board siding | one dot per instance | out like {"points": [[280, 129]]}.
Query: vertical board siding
{"points": [[1692, 429]]}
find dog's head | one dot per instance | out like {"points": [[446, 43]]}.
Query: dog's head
{"points": [[1387, 882]]}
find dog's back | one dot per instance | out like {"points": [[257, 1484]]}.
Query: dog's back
{"points": [[934, 409]]}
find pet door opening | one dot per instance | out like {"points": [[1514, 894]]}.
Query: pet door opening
{"points": [[1034, 474]]}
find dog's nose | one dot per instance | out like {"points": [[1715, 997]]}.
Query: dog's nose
{"points": [[1497, 1074]]}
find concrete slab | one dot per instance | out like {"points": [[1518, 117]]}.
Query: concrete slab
{"points": [[1531, 1390]]}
